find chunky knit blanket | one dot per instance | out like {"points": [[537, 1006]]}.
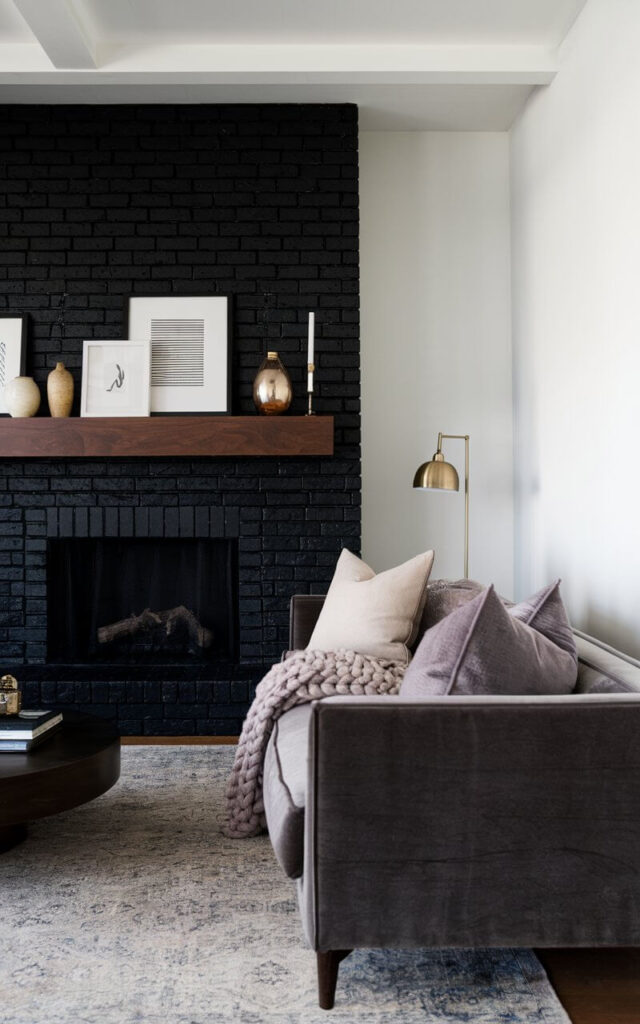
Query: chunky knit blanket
{"points": [[301, 676]]}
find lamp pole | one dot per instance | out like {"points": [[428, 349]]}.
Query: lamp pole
{"points": [[465, 438]]}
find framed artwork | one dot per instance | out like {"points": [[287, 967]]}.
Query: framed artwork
{"points": [[115, 378], [189, 338], [13, 352]]}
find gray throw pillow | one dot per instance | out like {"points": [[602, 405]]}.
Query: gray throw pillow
{"points": [[444, 596], [483, 649]]}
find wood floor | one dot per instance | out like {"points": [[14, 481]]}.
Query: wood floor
{"points": [[596, 986]]}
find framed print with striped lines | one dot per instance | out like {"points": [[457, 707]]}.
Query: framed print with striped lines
{"points": [[189, 338]]}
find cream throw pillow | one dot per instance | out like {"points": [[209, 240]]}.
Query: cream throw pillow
{"points": [[373, 614]]}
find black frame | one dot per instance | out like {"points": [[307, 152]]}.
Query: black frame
{"points": [[204, 295], [23, 342]]}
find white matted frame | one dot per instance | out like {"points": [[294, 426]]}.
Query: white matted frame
{"points": [[115, 378], [190, 365], [13, 352]]}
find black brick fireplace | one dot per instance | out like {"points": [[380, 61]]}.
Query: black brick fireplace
{"points": [[255, 202]]}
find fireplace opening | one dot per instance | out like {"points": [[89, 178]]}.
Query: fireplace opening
{"points": [[164, 601]]}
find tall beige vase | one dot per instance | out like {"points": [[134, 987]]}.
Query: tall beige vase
{"points": [[60, 391]]}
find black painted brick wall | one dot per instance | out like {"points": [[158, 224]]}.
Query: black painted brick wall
{"points": [[258, 202]]}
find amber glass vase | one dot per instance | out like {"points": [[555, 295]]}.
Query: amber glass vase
{"points": [[272, 392]]}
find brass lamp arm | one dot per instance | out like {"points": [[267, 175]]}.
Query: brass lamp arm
{"points": [[455, 437]]}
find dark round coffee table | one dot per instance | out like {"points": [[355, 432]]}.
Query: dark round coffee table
{"points": [[77, 764]]}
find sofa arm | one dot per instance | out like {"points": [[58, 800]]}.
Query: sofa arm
{"points": [[467, 821]]}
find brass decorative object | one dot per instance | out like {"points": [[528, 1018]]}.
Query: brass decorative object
{"points": [[442, 476], [10, 696], [272, 391], [310, 363], [60, 392], [310, 372]]}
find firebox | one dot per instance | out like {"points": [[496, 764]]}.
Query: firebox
{"points": [[157, 601]]}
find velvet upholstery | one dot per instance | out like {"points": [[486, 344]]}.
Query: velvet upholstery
{"points": [[303, 615], [444, 596], [601, 669], [284, 787], [480, 821], [545, 612], [482, 647], [467, 821]]}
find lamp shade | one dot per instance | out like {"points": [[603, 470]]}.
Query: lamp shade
{"points": [[437, 475]]}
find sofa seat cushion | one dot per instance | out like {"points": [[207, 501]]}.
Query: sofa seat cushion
{"points": [[285, 787]]}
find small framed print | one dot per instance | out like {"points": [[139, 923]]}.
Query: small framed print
{"points": [[13, 352], [115, 378], [190, 364]]}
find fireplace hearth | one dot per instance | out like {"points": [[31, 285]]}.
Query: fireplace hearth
{"points": [[142, 601]]}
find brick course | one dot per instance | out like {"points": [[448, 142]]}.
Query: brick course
{"points": [[258, 202]]}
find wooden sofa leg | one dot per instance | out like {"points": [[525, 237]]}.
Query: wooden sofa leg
{"points": [[328, 964]]}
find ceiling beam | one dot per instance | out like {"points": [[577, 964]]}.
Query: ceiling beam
{"points": [[60, 32], [255, 65]]}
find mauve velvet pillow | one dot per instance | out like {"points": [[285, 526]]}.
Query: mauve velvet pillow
{"points": [[483, 649], [444, 596], [546, 613]]}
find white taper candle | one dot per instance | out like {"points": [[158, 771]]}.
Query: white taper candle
{"points": [[310, 350]]}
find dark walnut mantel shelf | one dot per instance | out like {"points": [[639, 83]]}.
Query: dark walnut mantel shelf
{"points": [[165, 436]]}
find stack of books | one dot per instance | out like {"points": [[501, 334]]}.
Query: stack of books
{"points": [[26, 730]]}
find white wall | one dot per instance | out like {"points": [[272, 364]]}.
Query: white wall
{"points": [[576, 326], [435, 298]]}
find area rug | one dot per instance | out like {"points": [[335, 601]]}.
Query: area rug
{"points": [[136, 908]]}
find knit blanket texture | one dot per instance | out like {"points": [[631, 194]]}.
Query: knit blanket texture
{"points": [[300, 677]]}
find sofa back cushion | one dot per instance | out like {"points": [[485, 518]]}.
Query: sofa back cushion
{"points": [[483, 649], [375, 614], [601, 669]]}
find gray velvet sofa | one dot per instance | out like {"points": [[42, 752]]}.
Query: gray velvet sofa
{"points": [[461, 821]]}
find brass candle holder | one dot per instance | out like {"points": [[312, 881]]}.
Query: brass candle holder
{"points": [[310, 371], [10, 696]]}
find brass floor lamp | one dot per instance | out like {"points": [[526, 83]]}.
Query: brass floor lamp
{"points": [[439, 475]]}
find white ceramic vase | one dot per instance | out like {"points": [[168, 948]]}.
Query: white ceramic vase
{"points": [[22, 397]]}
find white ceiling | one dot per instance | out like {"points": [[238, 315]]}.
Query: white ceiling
{"points": [[435, 22], [409, 64]]}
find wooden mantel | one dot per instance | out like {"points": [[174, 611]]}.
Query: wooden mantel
{"points": [[165, 436]]}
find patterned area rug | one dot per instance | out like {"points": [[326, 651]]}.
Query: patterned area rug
{"points": [[135, 908]]}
